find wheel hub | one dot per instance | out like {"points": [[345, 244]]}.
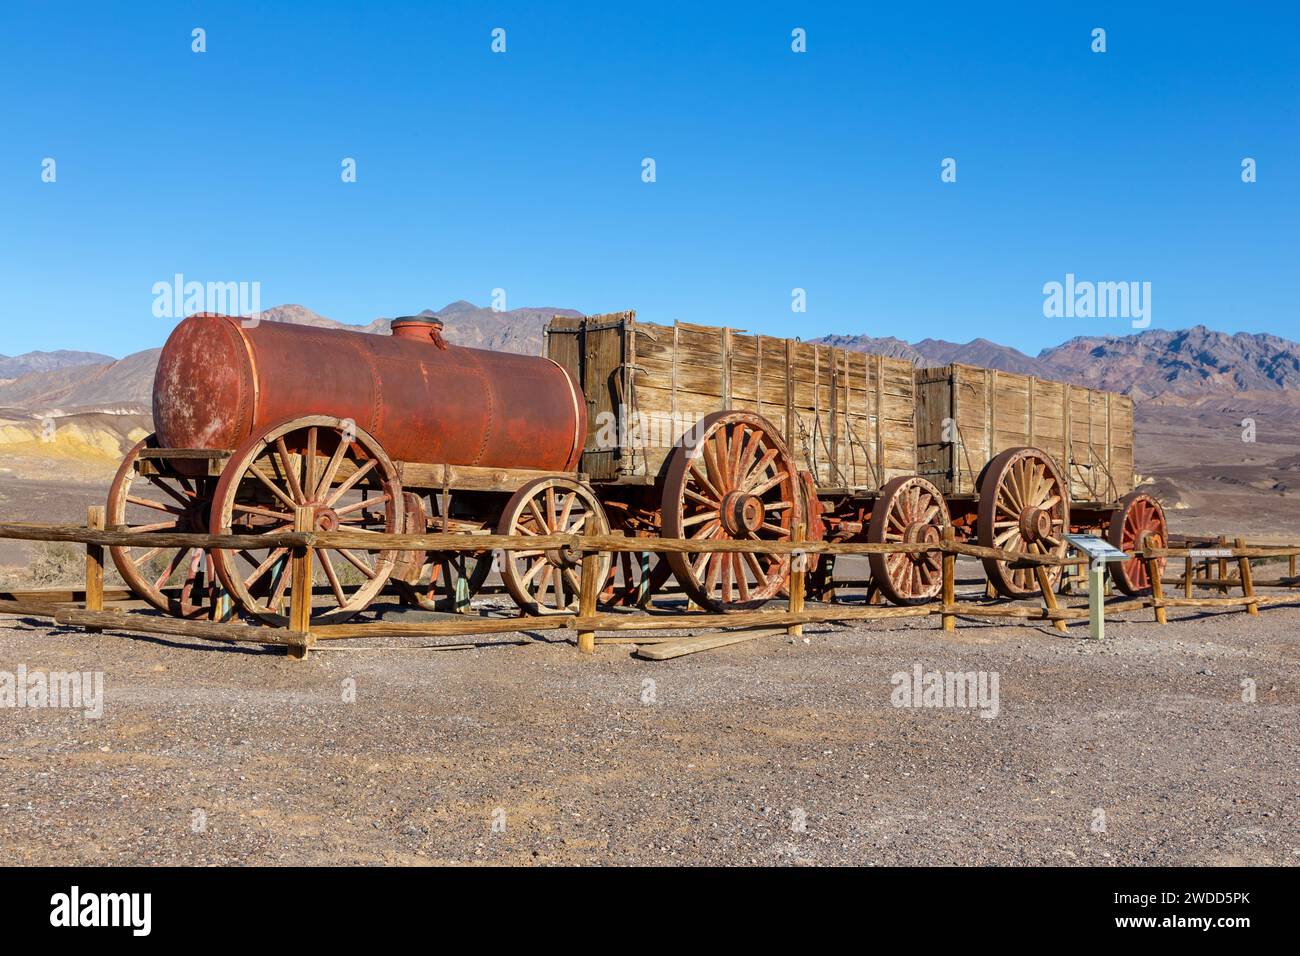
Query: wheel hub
{"points": [[564, 557], [1035, 524], [327, 519], [741, 513], [920, 532]]}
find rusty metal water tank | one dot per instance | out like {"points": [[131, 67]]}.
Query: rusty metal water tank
{"points": [[219, 379]]}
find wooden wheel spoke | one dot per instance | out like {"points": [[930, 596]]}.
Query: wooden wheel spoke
{"points": [[703, 480], [754, 479], [154, 505], [332, 576], [262, 512], [363, 504], [260, 570], [537, 565], [183, 499], [289, 471], [157, 526], [358, 563], [309, 463], [331, 470], [770, 483], [350, 483], [146, 557], [701, 516]]}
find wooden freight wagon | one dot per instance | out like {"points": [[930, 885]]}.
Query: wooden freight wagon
{"points": [[846, 416], [1023, 460], [845, 421]]}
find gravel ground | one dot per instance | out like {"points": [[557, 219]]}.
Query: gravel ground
{"points": [[1137, 751]]}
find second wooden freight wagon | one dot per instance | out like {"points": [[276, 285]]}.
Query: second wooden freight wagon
{"points": [[885, 452]]}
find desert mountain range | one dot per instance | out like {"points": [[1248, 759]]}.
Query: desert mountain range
{"points": [[1186, 366]]}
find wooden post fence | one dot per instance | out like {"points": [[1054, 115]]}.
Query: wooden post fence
{"points": [[95, 565], [1247, 582], [298, 635], [949, 592], [300, 584], [588, 589], [798, 583]]}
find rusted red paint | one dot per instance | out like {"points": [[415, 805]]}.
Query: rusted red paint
{"points": [[219, 379]]}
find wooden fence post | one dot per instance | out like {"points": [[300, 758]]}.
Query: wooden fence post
{"points": [[300, 585], [95, 565], [949, 579], [1188, 588], [1157, 586], [588, 587], [1247, 581], [798, 581]]}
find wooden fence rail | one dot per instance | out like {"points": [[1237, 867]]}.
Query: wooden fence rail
{"points": [[61, 606]]}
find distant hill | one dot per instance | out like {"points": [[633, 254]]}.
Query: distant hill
{"points": [[16, 366], [516, 330], [125, 385], [1188, 363], [1172, 367], [1177, 366]]}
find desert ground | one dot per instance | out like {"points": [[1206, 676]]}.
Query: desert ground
{"points": [[1139, 750], [517, 750]]}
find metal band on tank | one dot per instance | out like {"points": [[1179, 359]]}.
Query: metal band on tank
{"points": [[575, 450]]}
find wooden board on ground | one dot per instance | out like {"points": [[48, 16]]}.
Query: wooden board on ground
{"points": [[666, 650]]}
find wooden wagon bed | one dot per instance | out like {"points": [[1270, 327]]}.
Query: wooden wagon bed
{"points": [[847, 416]]}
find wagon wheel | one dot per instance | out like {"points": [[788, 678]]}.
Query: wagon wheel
{"points": [[1139, 521], [437, 580], [448, 580], [731, 478], [547, 581], [350, 483], [151, 504], [909, 510], [635, 577], [1024, 506]]}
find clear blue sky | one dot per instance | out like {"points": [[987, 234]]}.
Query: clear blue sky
{"points": [[775, 170]]}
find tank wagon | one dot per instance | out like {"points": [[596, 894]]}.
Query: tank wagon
{"points": [[681, 431]]}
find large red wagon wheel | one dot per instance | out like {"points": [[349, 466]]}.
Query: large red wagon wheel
{"points": [[731, 478], [345, 477], [1139, 521], [177, 581], [547, 580], [910, 510], [1024, 506]]}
